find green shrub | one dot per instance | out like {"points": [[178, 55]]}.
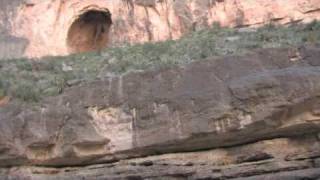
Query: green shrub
{"points": [[26, 92]]}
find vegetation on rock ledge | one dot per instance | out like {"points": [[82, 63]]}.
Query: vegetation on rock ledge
{"points": [[30, 80]]}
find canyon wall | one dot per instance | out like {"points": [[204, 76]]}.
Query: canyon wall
{"points": [[59, 27], [253, 117]]}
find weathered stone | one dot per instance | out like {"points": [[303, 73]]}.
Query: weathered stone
{"points": [[205, 164], [236, 106], [254, 156], [56, 27]]}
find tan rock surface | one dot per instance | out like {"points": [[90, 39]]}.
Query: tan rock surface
{"points": [[49, 25]]}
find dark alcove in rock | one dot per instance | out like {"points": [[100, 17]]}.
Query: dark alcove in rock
{"points": [[89, 32]]}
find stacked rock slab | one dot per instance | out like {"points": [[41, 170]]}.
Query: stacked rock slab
{"points": [[246, 116]]}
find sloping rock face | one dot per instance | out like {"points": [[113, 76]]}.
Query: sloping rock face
{"points": [[59, 27], [250, 117]]}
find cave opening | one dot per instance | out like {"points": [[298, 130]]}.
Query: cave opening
{"points": [[89, 32]]}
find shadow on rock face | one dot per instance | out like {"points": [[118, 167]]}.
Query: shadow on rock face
{"points": [[89, 32]]}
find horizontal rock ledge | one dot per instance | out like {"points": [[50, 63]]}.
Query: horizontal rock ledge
{"points": [[281, 158]]}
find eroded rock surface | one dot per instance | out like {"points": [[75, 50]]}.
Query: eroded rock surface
{"points": [[277, 159], [244, 116], [53, 28]]}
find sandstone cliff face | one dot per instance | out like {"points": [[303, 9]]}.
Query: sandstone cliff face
{"points": [[251, 117], [56, 27]]}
